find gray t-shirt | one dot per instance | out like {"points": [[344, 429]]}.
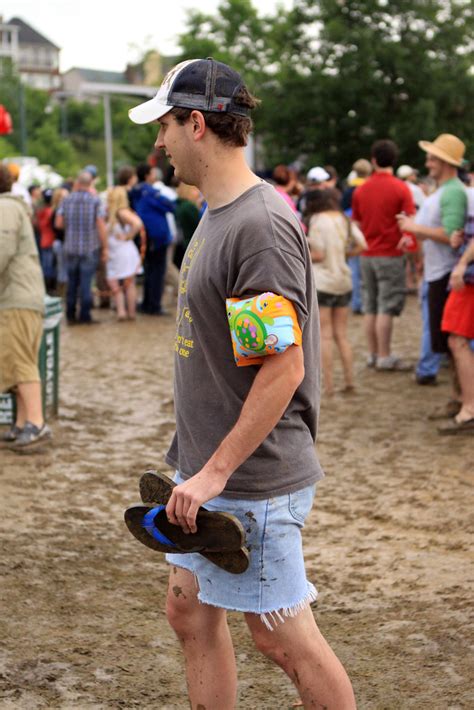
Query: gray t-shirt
{"points": [[250, 246]]}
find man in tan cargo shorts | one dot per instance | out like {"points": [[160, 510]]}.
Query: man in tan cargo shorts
{"points": [[21, 320]]}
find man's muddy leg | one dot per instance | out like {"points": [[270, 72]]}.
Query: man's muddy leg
{"points": [[207, 646]]}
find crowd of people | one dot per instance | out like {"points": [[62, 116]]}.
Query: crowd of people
{"points": [[97, 243], [259, 252], [385, 233], [86, 248], [374, 238]]}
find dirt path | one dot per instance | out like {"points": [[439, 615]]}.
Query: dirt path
{"points": [[388, 543]]}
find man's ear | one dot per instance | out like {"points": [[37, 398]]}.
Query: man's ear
{"points": [[198, 125]]}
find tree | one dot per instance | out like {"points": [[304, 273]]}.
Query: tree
{"points": [[51, 149], [334, 75], [399, 69]]}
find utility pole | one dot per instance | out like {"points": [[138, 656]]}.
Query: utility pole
{"points": [[64, 127], [109, 167], [23, 133]]}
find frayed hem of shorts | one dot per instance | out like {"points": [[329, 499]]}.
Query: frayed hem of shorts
{"points": [[272, 617]]}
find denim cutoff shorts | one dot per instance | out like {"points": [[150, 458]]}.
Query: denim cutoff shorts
{"points": [[275, 584]]}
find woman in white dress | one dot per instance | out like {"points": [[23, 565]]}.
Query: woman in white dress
{"points": [[122, 266], [332, 239], [124, 258]]}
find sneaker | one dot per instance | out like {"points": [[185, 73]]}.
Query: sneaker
{"points": [[391, 363], [7, 437], [31, 437]]}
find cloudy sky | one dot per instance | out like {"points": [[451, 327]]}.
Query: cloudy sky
{"points": [[105, 35]]}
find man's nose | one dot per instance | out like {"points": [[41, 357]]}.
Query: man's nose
{"points": [[159, 142]]}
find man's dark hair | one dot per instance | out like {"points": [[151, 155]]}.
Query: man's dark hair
{"points": [[231, 129], [143, 170], [332, 171], [47, 196], [385, 153], [125, 174], [6, 179], [282, 174], [322, 201]]}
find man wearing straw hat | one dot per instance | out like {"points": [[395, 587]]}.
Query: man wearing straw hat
{"points": [[441, 214]]}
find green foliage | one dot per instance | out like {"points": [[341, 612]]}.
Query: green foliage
{"points": [[7, 149], [132, 143], [48, 147], [69, 134], [333, 75]]}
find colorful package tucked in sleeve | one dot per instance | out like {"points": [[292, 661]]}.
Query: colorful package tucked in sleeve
{"points": [[262, 325]]}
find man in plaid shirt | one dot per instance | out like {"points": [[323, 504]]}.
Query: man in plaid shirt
{"points": [[81, 215]]}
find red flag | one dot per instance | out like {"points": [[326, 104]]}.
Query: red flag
{"points": [[6, 124]]}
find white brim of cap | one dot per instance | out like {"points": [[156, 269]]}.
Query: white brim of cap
{"points": [[148, 111]]}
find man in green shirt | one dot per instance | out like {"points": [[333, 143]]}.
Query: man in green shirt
{"points": [[441, 214]]}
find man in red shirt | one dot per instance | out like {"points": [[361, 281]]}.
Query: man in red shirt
{"points": [[375, 205]]}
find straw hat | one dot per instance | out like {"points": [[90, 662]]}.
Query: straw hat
{"points": [[446, 147]]}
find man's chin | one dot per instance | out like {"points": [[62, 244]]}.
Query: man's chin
{"points": [[178, 174]]}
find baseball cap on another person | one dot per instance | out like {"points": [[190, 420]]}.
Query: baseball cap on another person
{"points": [[317, 174], [200, 84], [446, 147], [404, 171], [92, 170]]}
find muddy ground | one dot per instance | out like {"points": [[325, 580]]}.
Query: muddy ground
{"points": [[389, 541]]}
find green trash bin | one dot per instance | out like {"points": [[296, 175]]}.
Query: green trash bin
{"points": [[49, 356], [48, 362]]}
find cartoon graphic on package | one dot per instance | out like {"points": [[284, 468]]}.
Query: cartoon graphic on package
{"points": [[262, 325]]}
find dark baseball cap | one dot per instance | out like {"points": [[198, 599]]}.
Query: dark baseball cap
{"points": [[201, 84], [92, 170]]}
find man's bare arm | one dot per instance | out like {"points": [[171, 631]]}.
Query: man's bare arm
{"points": [[456, 280], [271, 392], [102, 232], [436, 234]]}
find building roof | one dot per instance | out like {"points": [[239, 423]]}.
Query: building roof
{"points": [[28, 35], [99, 76]]}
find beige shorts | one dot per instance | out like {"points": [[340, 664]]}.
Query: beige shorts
{"points": [[20, 338]]}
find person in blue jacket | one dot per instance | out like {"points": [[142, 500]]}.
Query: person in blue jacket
{"points": [[152, 209]]}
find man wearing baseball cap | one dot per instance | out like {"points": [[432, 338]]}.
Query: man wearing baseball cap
{"points": [[316, 179], [441, 214], [246, 407]]}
